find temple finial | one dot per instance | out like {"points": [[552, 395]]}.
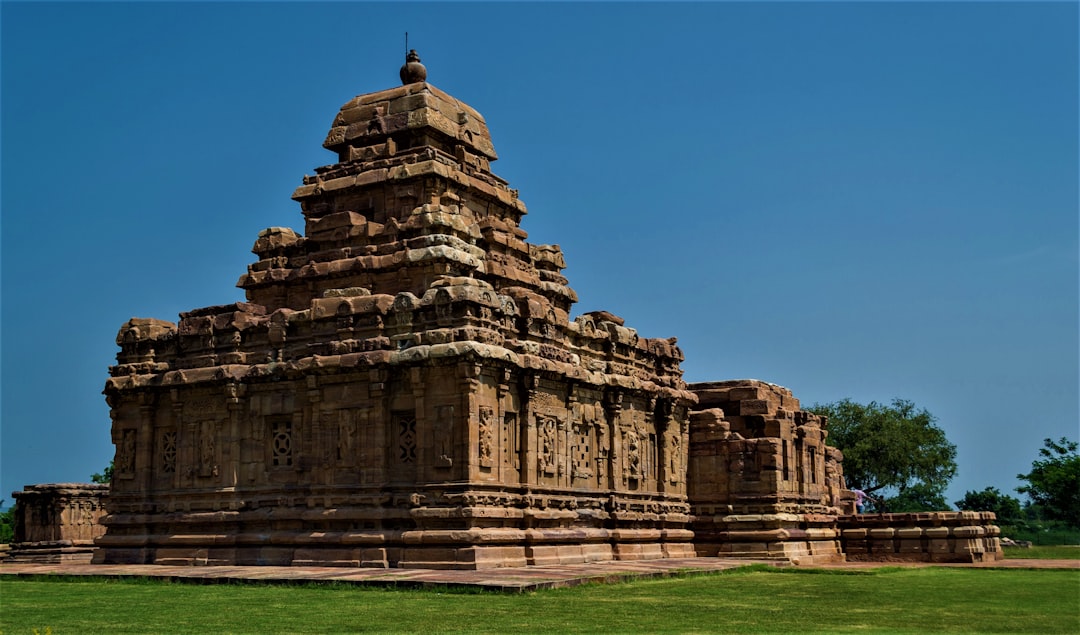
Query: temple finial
{"points": [[412, 71]]}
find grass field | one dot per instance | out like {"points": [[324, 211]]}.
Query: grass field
{"points": [[1052, 552], [749, 600]]}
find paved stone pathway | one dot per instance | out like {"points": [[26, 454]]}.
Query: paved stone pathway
{"points": [[509, 579], [504, 579]]}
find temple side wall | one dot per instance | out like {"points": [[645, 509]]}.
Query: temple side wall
{"points": [[459, 464]]}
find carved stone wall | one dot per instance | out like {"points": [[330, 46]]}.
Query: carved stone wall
{"points": [[403, 386], [57, 522]]}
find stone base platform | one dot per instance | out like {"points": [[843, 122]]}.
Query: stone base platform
{"points": [[969, 537], [513, 580], [51, 552], [802, 538], [507, 579]]}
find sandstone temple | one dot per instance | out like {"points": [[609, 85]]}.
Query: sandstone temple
{"points": [[406, 386]]}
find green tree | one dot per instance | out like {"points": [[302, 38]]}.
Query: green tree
{"points": [[7, 524], [1005, 507], [895, 452], [1053, 485], [918, 497], [104, 477]]}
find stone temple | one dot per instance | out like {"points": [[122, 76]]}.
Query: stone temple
{"points": [[405, 387]]}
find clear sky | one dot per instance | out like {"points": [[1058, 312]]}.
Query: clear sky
{"points": [[857, 200]]}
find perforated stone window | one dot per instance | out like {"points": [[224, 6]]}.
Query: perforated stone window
{"points": [[168, 452], [405, 424], [281, 443], [582, 452]]}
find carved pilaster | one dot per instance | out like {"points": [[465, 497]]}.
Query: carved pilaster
{"points": [[507, 448], [613, 401], [230, 447], [478, 452], [319, 445], [374, 439], [530, 386], [177, 440]]}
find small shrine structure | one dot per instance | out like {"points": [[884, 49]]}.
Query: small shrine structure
{"points": [[57, 522]]}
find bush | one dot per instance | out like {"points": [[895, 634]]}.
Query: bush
{"points": [[7, 525]]}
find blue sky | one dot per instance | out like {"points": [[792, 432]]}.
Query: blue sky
{"points": [[862, 200]]}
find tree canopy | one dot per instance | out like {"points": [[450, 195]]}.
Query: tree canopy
{"points": [[896, 450], [1005, 507], [1054, 481], [7, 524], [104, 477]]}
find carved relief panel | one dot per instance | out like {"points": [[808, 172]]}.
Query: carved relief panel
{"points": [[486, 431], [347, 435], [208, 464], [633, 468], [124, 466], [674, 457], [443, 436], [547, 448]]}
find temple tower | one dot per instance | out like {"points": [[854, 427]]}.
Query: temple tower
{"points": [[404, 386]]}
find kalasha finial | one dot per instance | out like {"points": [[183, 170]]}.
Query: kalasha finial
{"points": [[413, 71]]}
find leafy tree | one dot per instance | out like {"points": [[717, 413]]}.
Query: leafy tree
{"points": [[919, 497], [7, 524], [1054, 481], [895, 450], [1005, 507], [104, 477]]}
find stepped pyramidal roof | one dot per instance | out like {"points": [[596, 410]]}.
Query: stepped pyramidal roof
{"points": [[412, 218]]}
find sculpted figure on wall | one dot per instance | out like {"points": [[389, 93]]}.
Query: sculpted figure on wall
{"points": [[487, 436]]}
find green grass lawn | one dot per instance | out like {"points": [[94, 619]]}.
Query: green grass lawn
{"points": [[745, 600], [1052, 552]]}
